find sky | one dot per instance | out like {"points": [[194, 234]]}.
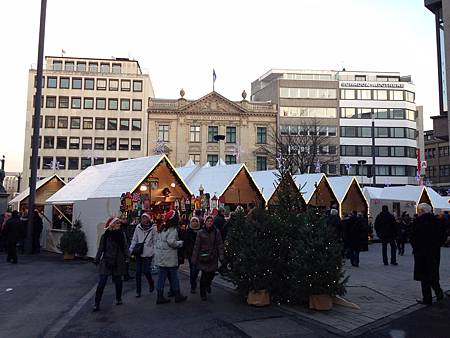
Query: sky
{"points": [[179, 42]]}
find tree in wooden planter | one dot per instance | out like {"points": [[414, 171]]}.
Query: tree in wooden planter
{"points": [[73, 241]]}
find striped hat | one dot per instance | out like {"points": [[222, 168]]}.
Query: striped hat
{"points": [[170, 215], [110, 221]]}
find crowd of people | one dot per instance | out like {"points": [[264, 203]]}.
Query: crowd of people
{"points": [[198, 240]]}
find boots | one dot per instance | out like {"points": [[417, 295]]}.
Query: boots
{"points": [[202, 293], [118, 293], [98, 298], [151, 284], [160, 298], [179, 297]]}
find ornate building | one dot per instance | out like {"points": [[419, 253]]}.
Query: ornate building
{"points": [[212, 128]]}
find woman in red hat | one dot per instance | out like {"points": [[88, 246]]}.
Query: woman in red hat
{"points": [[112, 256], [166, 257]]}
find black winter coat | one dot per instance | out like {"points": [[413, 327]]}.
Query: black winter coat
{"points": [[219, 222], [427, 237], [353, 233], [13, 231], [386, 226], [112, 253], [335, 222]]}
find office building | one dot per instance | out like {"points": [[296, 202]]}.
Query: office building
{"points": [[93, 111]]}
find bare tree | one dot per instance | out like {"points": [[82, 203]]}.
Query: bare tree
{"points": [[305, 147]]}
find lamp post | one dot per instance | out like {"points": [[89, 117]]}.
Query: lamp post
{"points": [[374, 180], [37, 120]]}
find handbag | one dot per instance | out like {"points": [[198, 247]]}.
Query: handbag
{"points": [[206, 256], [138, 249]]}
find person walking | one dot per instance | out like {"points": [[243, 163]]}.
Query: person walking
{"points": [[334, 221], [190, 237], [143, 249], [402, 237], [166, 257], [112, 256], [5, 218], [386, 228], [364, 230], [37, 231], [126, 228], [353, 235], [12, 232], [427, 237], [219, 219], [208, 250]]}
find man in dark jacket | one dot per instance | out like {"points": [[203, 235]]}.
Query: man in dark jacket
{"points": [[386, 228], [12, 233], [37, 230], [334, 221], [427, 237], [219, 220]]}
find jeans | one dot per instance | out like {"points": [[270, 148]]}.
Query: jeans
{"points": [[117, 280], [393, 251], [426, 290], [206, 280], [143, 266], [193, 275], [172, 274], [354, 257]]}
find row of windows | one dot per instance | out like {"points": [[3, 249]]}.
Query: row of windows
{"points": [[261, 161], [308, 130], [431, 152], [380, 132], [74, 102], [312, 112], [322, 77], [72, 163], [380, 151], [308, 93], [89, 83], [380, 170], [377, 94], [328, 77], [87, 143], [92, 66], [101, 123], [323, 149], [378, 113], [444, 170]]}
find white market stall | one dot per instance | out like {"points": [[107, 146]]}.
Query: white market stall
{"points": [[316, 190], [349, 194]]}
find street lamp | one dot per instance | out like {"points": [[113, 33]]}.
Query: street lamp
{"points": [[374, 181]]}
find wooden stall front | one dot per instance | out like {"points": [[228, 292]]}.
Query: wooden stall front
{"points": [[323, 196], [44, 192], [242, 190], [273, 201], [354, 200]]}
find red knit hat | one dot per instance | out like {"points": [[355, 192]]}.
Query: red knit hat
{"points": [[170, 215], [110, 221], [147, 214]]}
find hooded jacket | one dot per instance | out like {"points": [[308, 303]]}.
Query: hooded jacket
{"points": [[139, 236]]}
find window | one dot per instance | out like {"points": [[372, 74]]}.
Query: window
{"points": [[63, 122], [63, 102], [113, 85], [195, 158], [363, 94], [100, 123], [398, 114], [194, 134], [399, 132], [381, 132], [135, 144], [99, 160], [124, 104], [40, 121], [88, 103], [75, 123], [230, 159], [398, 151], [101, 84], [89, 84], [87, 122], [112, 124], [382, 151], [93, 67], [47, 162], [74, 143], [85, 162], [111, 144], [86, 143], [231, 135], [261, 163], [308, 93], [49, 142], [136, 124], [49, 122], [360, 78], [396, 95], [124, 124], [348, 94], [398, 170], [76, 83], [409, 96], [64, 82], [213, 159], [123, 144], [76, 102], [261, 135], [61, 142], [163, 132], [113, 104], [332, 150], [110, 159], [332, 131], [116, 68], [380, 94], [137, 105], [57, 65], [382, 170], [50, 101], [332, 169], [99, 143], [100, 103], [125, 85], [73, 163], [69, 66], [137, 86], [212, 131], [52, 81], [348, 131], [81, 66], [104, 68]]}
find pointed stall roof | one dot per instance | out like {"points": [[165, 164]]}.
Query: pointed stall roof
{"points": [[220, 162], [340, 185], [307, 184], [408, 193], [189, 163], [439, 202], [109, 180], [267, 181], [24, 194]]}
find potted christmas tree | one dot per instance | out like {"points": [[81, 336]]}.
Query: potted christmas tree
{"points": [[73, 242]]}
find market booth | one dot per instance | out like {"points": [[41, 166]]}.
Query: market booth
{"points": [[131, 186], [349, 195], [268, 182], [45, 188], [316, 190]]}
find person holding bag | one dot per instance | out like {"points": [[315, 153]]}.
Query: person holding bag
{"points": [[208, 250], [166, 257], [111, 257], [143, 249]]}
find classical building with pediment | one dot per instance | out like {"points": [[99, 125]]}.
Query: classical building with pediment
{"points": [[211, 129]]}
